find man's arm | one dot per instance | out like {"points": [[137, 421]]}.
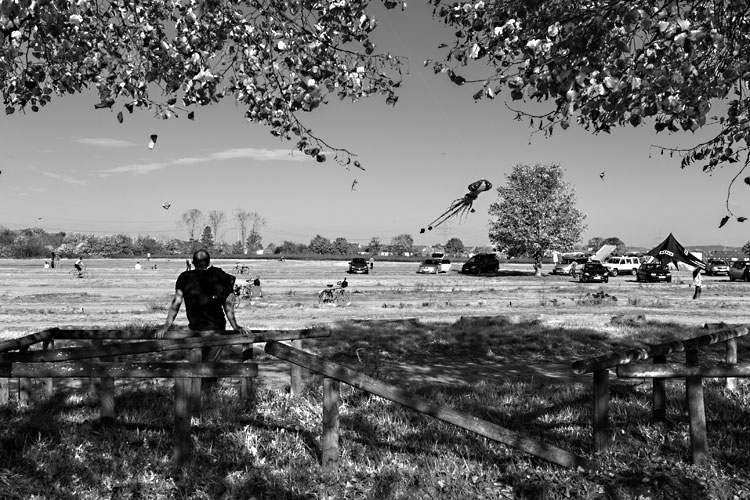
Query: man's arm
{"points": [[229, 312], [174, 308]]}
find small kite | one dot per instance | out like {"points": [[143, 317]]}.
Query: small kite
{"points": [[461, 206], [166, 206], [601, 176], [152, 141]]}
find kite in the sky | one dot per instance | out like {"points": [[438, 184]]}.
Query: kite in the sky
{"points": [[461, 206], [166, 206], [152, 141], [354, 184]]}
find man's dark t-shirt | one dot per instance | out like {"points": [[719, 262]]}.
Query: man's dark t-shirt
{"points": [[204, 292]]}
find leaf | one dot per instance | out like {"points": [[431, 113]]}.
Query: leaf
{"points": [[457, 79], [747, 181], [191, 115], [119, 116], [724, 220], [9, 110], [152, 141], [741, 219]]}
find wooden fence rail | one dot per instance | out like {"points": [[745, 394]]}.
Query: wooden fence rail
{"points": [[694, 374], [600, 366], [423, 405]]}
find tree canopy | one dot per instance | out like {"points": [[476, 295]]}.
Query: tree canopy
{"points": [[607, 63], [274, 58], [535, 213]]}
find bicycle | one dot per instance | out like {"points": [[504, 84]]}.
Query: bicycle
{"points": [[241, 269], [250, 290], [337, 295], [83, 273]]}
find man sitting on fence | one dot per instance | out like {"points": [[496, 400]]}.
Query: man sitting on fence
{"points": [[207, 293]]}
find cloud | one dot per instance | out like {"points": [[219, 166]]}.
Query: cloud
{"points": [[104, 142], [229, 154], [64, 178]]}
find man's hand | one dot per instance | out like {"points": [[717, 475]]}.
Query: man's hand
{"points": [[161, 332]]}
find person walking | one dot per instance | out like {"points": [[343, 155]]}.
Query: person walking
{"points": [[697, 282], [207, 293]]}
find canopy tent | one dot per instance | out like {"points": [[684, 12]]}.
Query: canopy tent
{"points": [[670, 250]]}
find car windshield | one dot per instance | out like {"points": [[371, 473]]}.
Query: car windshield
{"points": [[430, 262], [358, 261], [717, 262]]}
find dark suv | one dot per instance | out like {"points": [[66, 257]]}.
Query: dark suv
{"points": [[481, 263], [358, 265]]}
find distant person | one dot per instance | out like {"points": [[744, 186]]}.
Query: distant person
{"points": [[78, 265], [574, 269], [52, 260], [187, 265], [207, 292], [46, 264], [697, 282], [372, 262], [257, 290], [148, 256], [138, 266]]}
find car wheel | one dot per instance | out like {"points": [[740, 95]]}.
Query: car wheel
{"points": [[669, 280], [613, 272], [747, 276], [637, 277], [605, 279], [633, 272]]}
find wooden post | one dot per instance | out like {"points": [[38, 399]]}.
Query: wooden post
{"points": [[600, 418], [247, 384], [47, 385], [3, 391], [696, 412], [330, 443], [107, 397], [731, 383], [296, 382], [24, 386], [181, 433], [195, 356], [659, 398], [95, 383]]}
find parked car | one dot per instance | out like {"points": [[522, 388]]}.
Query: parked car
{"points": [[358, 265], [566, 266], [739, 270], [653, 272], [715, 267], [593, 271], [429, 266], [622, 265], [481, 263]]}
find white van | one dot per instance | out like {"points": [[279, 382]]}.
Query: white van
{"points": [[622, 265]]}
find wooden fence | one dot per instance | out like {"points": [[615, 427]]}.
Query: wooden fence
{"points": [[100, 362], [601, 365]]}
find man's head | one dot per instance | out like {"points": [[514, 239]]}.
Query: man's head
{"points": [[201, 259]]}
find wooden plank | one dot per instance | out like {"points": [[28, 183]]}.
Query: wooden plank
{"points": [[24, 385], [122, 349], [659, 394], [680, 370], [428, 407], [47, 385], [600, 417], [697, 415], [330, 441], [4, 392], [27, 341], [731, 357], [128, 370], [259, 335], [195, 356], [625, 357]]}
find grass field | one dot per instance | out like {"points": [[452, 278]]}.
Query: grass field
{"points": [[496, 347]]}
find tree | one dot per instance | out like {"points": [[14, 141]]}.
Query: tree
{"points": [[604, 64], [454, 246], [215, 219], [207, 238], [320, 245], [275, 59], [617, 242], [595, 243], [535, 214], [402, 244], [191, 219], [375, 246], [254, 242], [340, 246]]}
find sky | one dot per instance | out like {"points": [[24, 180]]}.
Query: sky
{"points": [[76, 169]]}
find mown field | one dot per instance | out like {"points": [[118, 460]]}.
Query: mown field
{"points": [[498, 347]]}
